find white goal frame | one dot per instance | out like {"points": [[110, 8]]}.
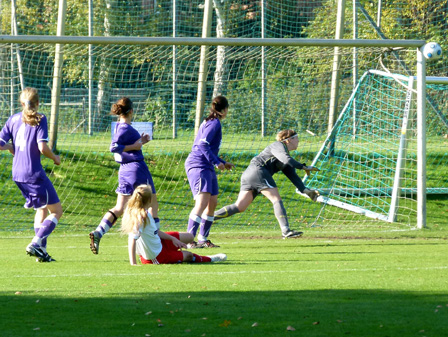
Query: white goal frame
{"points": [[336, 43]]}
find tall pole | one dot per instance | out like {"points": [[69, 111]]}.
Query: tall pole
{"points": [[57, 77], [203, 65], [355, 60], [90, 132], [174, 71], [336, 75], [421, 140], [378, 14], [12, 62], [19, 58], [263, 71]]}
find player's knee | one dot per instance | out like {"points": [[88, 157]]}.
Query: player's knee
{"points": [[187, 237]]}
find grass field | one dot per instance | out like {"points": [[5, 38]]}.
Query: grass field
{"points": [[323, 284], [345, 277]]}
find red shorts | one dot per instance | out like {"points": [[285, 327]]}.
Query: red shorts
{"points": [[169, 254]]}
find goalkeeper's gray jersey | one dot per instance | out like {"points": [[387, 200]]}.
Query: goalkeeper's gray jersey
{"points": [[276, 158]]}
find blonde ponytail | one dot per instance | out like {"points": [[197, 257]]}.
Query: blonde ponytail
{"points": [[30, 101]]}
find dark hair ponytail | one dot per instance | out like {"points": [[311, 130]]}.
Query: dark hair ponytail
{"points": [[122, 107], [219, 104]]}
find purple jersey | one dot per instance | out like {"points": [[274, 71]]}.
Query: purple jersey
{"points": [[26, 167], [204, 153], [125, 135]]}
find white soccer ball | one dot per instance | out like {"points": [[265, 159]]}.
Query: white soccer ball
{"points": [[432, 51]]}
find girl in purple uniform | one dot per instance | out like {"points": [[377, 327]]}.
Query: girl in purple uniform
{"points": [[200, 167], [127, 149], [28, 131]]}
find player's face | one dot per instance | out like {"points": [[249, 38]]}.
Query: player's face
{"points": [[293, 142]]}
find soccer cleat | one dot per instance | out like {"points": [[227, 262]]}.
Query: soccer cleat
{"points": [[218, 257], [95, 242], [292, 234], [193, 245], [34, 250], [207, 244], [46, 258], [312, 194]]}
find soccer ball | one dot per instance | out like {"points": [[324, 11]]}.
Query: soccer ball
{"points": [[432, 51]]}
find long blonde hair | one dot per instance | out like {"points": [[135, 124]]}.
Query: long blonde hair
{"points": [[136, 212], [30, 100]]}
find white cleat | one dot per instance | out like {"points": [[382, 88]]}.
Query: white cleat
{"points": [[218, 257]]}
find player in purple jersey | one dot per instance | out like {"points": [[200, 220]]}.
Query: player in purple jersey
{"points": [[127, 149], [257, 178], [200, 167], [28, 131]]}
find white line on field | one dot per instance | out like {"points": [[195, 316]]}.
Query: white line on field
{"points": [[183, 273]]}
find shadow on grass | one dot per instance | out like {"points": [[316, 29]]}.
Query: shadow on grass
{"points": [[211, 313]]}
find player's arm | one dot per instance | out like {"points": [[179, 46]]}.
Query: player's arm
{"points": [[46, 151], [177, 243], [290, 172], [5, 137], [6, 146], [131, 249]]}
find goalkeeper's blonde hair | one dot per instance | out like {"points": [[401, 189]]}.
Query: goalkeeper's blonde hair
{"points": [[136, 212]]}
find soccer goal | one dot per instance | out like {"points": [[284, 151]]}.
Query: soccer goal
{"points": [[272, 84], [369, 161]]}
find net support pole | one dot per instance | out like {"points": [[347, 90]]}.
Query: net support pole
{"points": [[57, 77], [203, 64], [11, 84], [90, 69], [401, 157], [421, 139], [355, 60], [263, 70], [174, 85], [336, 74], [16, 32]]}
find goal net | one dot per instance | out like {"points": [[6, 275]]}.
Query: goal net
{"points": [[269, 88], [369, 161]]}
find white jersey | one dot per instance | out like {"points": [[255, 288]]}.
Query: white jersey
{"points": [[148, 244]]}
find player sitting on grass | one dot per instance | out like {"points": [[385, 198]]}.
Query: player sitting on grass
{"points": [[152, 245], [258, 179]]}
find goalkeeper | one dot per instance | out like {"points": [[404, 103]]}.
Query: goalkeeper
{"points": [[257, 178]]}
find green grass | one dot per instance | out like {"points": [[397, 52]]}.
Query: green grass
{"points": [[321, 285]]}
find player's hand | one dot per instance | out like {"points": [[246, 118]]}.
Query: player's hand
{"points": [[11, 148], [179, 244], [138, 144], [221, 166], [228, 166], [57, 160], [145, 138], [309, 169]]}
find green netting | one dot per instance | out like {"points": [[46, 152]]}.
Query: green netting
{"points": [[297, 82], [359, 160]]}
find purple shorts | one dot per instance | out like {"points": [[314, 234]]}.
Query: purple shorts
{"points": [[38, 195], [202, 180], [133, 174]]}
